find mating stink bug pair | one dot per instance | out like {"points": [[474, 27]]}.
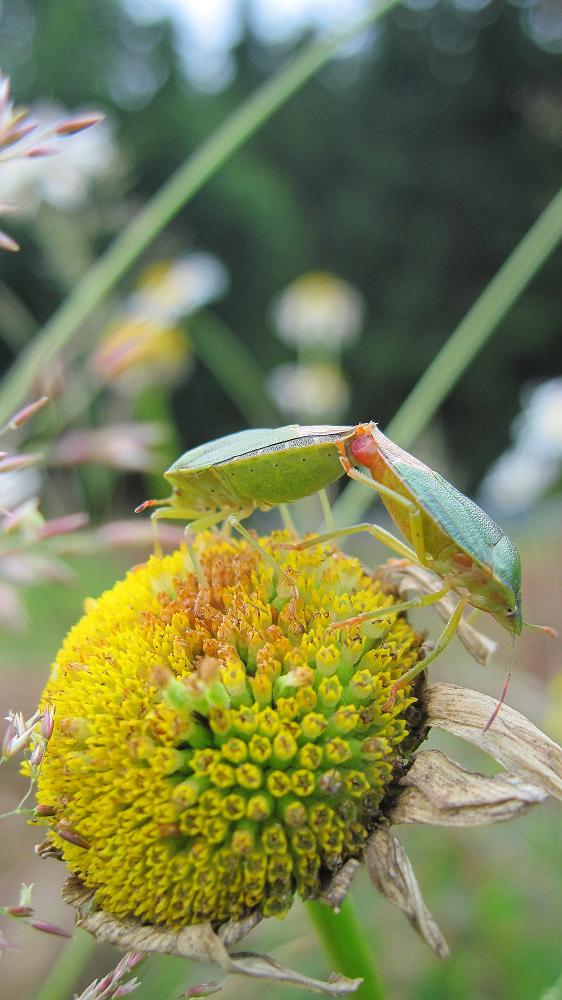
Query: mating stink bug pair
{"points": [[231, 477]]}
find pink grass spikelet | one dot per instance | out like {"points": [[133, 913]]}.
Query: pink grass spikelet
{"points": [[15, 462], [28, 411], [7, 243], [47, 928], [73, 125]]}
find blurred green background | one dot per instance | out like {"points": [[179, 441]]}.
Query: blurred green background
{"points": [[409, 167]]}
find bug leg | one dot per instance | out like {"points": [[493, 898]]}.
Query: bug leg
{"points": [[197, 523], [414, 513], [159, 515], [278, 569], [381, 534], [500, 702], [443, 641], [371, 616]]}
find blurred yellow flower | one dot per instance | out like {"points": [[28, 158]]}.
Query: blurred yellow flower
{"points": [[136, 350]]}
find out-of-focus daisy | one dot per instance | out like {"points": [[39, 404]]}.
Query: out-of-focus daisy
{"points": [[540, 425], [145, 344], [318, 310], [526, 471], [18, 486], [31, 177], [315, 393], [516, 481], [174, 288]]}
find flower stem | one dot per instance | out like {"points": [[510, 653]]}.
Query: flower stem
{"points": [[234, 367], [344, 939], [68, 968], [464, 343], [167, 202]]}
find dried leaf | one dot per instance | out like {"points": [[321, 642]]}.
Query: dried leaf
{"points": [[512, 739], [442, 793], [198, 942], [392, 874]]}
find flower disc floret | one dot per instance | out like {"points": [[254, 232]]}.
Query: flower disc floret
{"points": [[218, 748]]}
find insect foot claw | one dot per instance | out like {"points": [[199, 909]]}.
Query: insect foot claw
{"points": [[389, 705], [145, 505], [346, 623]]}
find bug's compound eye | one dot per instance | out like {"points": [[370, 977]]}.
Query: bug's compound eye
{"points": [[510, 612]]}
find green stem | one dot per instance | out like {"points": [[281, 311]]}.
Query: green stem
{"points": [[464, 343], [344, 939], [166, 203], [234, 368], [68, 968]]}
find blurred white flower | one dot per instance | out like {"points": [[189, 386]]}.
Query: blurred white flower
{"points": [[174, 288], [524, 473], [129, 447], [318, 310], [309, 392], [540, 425], [92, 153], [516, 481], [19, 486]]}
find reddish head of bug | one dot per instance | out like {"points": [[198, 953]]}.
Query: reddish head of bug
{"points": [[363, 447]]}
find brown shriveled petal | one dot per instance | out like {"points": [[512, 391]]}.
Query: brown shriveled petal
{"points": [[512, 739], [408, 577], [440, 792], [339, 885], [199, 942], [392, 874], [48, 850]]}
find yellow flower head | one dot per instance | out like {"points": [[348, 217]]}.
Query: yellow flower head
{"points": [[218, 749]]}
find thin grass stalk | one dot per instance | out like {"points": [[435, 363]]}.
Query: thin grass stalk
{"points": [[166, 203], [234, 368], [464, 343], [346, 943], [67, 970]]}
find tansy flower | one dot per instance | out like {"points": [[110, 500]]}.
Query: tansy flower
{"points": [[218, 750]]}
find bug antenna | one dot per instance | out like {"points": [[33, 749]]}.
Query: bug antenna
{"points": [[504, 690], [545, 629]]}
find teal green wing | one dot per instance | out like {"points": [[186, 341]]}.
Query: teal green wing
{"points": [[464, 521]]}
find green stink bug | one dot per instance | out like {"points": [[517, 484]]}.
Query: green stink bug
{"points": [[449, 534], [228, 479]]}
